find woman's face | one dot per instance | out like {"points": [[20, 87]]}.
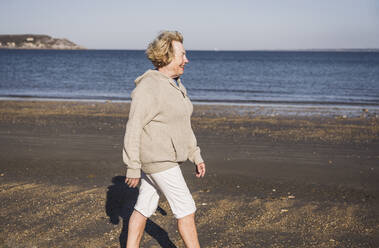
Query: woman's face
{"points": [[177, 64]]}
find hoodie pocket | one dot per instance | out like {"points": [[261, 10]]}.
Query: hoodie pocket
{"points": [[174, 148], [180, 152]]}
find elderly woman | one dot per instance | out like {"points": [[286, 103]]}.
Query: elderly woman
{"points": [[159, 137]]}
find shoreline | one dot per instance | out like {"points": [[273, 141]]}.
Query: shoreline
{"points": [[266, 108], [197, 101]]}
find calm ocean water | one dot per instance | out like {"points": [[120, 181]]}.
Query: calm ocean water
{"points": [[335, 78]]}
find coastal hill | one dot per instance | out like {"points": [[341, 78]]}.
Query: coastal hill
{"points": [[32, 41]]}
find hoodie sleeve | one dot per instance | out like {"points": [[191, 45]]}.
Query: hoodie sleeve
{"points": [[194, 154], [144, 107]]}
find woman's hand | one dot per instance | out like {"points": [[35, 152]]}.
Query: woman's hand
{"points": [[132, 182], [200, 170]]}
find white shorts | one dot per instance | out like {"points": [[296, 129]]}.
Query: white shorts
{"points": [[171, 183]]}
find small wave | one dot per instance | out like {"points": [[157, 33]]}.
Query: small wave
{"points": [[237, 91]]}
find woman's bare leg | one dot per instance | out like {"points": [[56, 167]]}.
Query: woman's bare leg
{"points": [[137, 223], [187, 230]]}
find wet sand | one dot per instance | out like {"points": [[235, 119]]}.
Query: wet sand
{"points": [[273, 180]]}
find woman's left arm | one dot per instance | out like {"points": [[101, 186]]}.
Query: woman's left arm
{"points": [[195, 157], [195, 153]]}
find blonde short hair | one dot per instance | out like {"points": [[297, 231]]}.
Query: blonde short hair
{"points": [[161, 52]]}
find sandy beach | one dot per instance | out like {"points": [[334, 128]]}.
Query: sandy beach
{"points": [[273, 180]]}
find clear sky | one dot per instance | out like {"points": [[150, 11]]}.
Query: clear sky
{"points": [[206, 25]]}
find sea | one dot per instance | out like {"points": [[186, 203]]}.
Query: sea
{"points": [[328, 78]]}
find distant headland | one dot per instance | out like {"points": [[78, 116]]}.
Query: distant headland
{"points": [[33, 41]]}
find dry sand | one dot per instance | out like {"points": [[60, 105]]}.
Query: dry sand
{"points": [[272, 181]]}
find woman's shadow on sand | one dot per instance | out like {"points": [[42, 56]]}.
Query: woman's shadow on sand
{"points": [[120, 203]]}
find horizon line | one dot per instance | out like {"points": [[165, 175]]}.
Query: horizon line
{"points": [[252, 50]]}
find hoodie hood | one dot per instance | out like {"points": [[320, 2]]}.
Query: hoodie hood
{"points": [[157, 75], [151, 73]]}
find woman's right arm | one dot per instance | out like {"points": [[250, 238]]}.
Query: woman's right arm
{"points": [[143, 109]]}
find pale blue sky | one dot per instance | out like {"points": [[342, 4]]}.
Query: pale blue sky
{"points": [[222, 24]]}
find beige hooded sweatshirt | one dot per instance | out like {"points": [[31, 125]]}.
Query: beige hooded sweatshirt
{"points": [[158, 132]]}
